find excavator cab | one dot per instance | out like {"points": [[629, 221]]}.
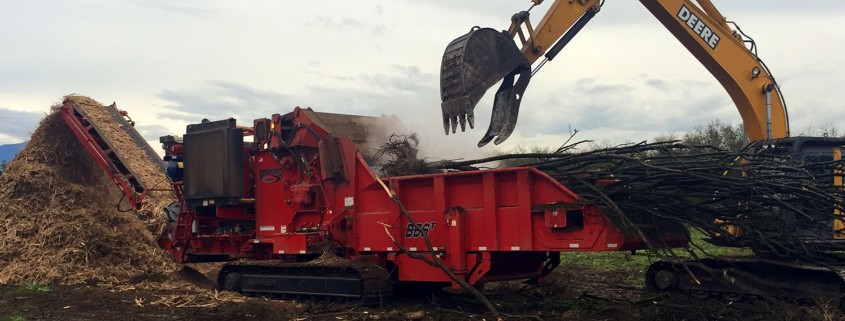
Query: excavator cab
{"points": [[473, 63]]}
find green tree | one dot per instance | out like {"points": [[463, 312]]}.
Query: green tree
{"points": [[826, 130], [715, 133], [666, 138], [3, 165], [523, 150], [733, 138]]}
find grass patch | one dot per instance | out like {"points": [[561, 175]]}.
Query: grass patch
{"points": [[703, 249], [37, 287], [7, 292], [635, 265], [632, 266], [13, 317]]}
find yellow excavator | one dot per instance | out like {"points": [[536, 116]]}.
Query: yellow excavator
{"points": [[481, 58]]}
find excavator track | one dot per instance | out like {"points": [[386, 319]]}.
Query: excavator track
{"points": [[340, 279], [736, 278]]}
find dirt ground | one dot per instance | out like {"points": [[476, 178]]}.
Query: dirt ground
{"points": [[571, 293]]}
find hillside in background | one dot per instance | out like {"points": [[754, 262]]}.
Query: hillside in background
{"points": [[8, 151]]}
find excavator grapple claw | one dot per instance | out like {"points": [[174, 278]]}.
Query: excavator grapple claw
{"points": [[473, 63]]}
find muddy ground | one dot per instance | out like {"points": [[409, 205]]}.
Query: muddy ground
{"points": [[573, 292]]}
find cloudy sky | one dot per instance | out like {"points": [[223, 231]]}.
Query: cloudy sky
{"points": [[170, 63]]}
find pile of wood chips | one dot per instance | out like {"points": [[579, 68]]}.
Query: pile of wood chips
{"points": [[61, 218]]}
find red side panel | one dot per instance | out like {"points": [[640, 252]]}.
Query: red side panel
{"points": [[510, 213], [503, 212]]}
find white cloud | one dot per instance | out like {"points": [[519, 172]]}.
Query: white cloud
{"points": [[624, 78], [17, 125]]}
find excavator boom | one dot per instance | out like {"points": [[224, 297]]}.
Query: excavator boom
{"points": [[479, 59], [724, 53]]}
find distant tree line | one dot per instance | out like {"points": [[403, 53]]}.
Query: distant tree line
{"points": [[715, 133], [729, 137]]}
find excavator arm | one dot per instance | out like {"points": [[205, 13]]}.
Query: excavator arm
{"points": [[723, 51], [476, 61]]}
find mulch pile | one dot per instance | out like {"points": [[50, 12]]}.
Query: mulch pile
{"points": [[61, 218]]}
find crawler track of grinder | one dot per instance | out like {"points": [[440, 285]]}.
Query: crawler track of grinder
{"points": [[338, 279]]}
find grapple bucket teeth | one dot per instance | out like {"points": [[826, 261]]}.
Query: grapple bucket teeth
{"points": [[472, 64]]}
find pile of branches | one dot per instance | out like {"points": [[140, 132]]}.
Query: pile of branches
{"points": [[398, 157], [782, 206]]}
